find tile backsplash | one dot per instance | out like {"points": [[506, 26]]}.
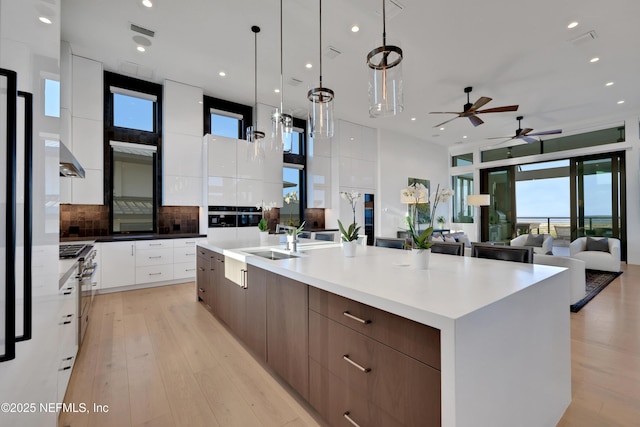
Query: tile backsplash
{"points": [[93, 220]]}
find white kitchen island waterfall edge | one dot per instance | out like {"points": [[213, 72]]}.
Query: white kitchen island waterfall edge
{"points": [[505, 326]]}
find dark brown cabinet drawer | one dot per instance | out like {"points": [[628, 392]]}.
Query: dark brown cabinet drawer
{"points": [[419, 341], [392, 381], [333, 399]]}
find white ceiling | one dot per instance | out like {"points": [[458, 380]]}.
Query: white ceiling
{"points": [[514, 51]]}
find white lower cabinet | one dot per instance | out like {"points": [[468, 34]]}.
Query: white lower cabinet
{"points": [[118, 267], [147, 261]]}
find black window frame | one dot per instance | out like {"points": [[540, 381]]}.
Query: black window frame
{"points": [[300, 160], [116, 133], [210, 103]]}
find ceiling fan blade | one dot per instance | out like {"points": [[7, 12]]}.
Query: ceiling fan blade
{"points": [[524, 132], [502, 137], [529, 140], [444, 123], [444, 112], [476, 121], [479, 103], [546, 132], [499, 109], [500, 143]]}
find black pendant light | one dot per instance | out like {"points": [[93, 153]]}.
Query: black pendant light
{"points": [[385, 77], [253, 134], [321, 98]]}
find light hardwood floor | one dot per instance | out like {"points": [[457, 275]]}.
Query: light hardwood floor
{"points": [[158, 358]]}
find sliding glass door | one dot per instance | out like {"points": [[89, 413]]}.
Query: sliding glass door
{"points": [[598, 202], [498, 219]]}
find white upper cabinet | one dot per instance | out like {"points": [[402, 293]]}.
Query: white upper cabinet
{"points": [[221, 156], [182, 109], [182, 170], [87, 88]]}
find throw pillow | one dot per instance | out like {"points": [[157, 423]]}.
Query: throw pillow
{"points": [[601, 245], [449, 239], [534, 240], [437, 238], [465, 239]]}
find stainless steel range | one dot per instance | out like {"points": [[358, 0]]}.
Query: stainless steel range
{"points": [[87, 267]]}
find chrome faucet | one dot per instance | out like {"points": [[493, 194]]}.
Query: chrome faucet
{"points": [[292, 246]]}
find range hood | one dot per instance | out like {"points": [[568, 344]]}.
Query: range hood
{"points": [[69, 165]]}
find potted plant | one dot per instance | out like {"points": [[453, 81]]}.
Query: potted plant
{"points": [[421, 245], [263, 225], [349, 236], [441, 220]]}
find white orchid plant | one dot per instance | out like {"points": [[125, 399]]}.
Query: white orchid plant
{"points": [[263, 225], [351, 233], [415, 194], [288, 199]]}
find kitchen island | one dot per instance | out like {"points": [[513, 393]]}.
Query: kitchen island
{"points": [[504, 338]]}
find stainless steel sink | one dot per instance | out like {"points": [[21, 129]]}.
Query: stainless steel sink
{"points": [[272, 254]]}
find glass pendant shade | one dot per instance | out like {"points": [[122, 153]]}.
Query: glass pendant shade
{"points": [[254, 136], [385, 81], [320, 112], [385, 77], [281, 128], [320, 123]]}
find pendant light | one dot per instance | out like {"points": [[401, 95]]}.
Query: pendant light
{"points": [[253, 134], [385, 77], [321, 107], [281, 123]]}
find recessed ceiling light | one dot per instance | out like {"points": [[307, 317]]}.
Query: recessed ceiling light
{"points": [[276, 90], [413, 119], [609, 84], [621, 101], [355, 29], [222, 74], [572, 25], [141, 48], [441, 128], [199, 102], [309, 65], [147, 3], [352, 138], [595, 59], [44, 20], [464, 137]]}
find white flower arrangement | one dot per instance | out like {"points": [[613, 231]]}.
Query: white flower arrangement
{"points": [[263, 225], [350, 234]]}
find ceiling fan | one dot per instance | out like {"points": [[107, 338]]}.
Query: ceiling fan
{"points": [[525, 134], [470, 110]]}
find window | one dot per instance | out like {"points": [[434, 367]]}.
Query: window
{"points": [[462, 187], [462, 160], [226, 118], [133, 110], [51, 98], [132, 150], [293, 173]]}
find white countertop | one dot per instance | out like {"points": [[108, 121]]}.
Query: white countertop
{"points": [[450, 289]]}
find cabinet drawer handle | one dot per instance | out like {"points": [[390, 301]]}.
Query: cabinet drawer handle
{"points": [[155, 244], [68, 292], [66, 320], [155, 274], [190, 269], [189, 254], [201, 252], [365, 370], [155, 257], [201, 268], [189, 243], [202, 290], [346, 415], [357, 319]]}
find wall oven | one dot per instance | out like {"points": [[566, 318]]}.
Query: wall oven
{"points": [[249, 216], [222, 216]]}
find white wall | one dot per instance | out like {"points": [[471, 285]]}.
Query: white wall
{"points": [[401, 157]]}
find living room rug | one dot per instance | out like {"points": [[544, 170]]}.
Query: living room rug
{"points": [[596, 281]]}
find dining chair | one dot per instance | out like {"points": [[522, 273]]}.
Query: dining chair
{"points": [[389, 242], [448, 248], [522, 254]]}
